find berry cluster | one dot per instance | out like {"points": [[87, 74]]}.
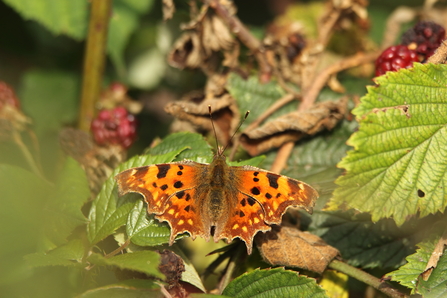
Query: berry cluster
{"points": [[115, 126], [418, 43], [8, 96]]}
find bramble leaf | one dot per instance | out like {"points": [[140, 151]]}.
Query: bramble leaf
{"points": [[397, 168]]}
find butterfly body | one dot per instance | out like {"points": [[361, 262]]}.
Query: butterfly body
{"points": [[215, 199]]}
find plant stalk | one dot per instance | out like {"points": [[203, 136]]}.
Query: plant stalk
{"points": [[94, 60]]}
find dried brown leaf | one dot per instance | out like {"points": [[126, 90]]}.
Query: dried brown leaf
{"points": [[168, 9], [434, 258], [288, 246], [224, 112], [293, 126], [187, 52]]}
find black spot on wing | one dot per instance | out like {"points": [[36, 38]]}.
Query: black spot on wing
{"points": [[164, 187], [162, 170], [251, 201], [188, 197], [268, 196], [154, 185], [243, 202], [187, 208], [241, 214], [273, 180], [255, 191], [180, 194], [178, 184], [140, 173]]}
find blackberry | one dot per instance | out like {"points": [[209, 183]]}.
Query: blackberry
{"points": [[425, 37], [115, 126], [395, 58], [8, 96]]}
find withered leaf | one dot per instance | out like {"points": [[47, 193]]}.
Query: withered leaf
{"points": [[434, 258], [168, 9], [294, 126], [187, 52], [288, 246], [224, 112]]}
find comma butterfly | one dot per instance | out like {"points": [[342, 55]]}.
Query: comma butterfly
{"points": [[216, 199]]}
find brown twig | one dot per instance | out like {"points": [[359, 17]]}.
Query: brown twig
{"points": [[94, 60], [314, 89], [244, 35], [281, 158]]}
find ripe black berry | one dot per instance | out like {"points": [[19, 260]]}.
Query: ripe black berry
{"points": [[395, 58], [114, 126], [425, 37]]}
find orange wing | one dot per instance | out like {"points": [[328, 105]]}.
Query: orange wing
{"points": [[262, 199], [274, 192], [169, 192]]}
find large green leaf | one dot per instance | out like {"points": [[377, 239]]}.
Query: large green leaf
{"points": [[23, 196], [70, 254], [255, 97], [273, 283], [436, 285], [123, 22], [50, 98], [144, 261], [145, 230], [59, 16], [200, 150], [133, 288], [62, 211], [108, 211], [397, 167], [360, 241]]}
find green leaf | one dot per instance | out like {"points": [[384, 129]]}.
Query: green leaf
{"points": [[360, 241], [62, 211], [108, 211], [395, 169], [200, 149], [22, 196], [190, 274], [50, 98], [273, 283], [408, 274], [145, 230], [59, 16], [255, 97], [70, 254], [144, 261], [123, 22], [254, 161], [134, 288], [436, 285]]}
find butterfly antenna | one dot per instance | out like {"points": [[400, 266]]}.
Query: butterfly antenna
{"points": [[214, 129], [239, 126]]}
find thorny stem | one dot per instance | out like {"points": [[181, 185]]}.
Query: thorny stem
{"points": [[94, 60], [243, 34], [367, 279]]}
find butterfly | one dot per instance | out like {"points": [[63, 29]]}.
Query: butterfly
{"points": [[218, 200]]}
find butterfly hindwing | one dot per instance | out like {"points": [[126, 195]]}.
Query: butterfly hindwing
{"points": [[274, 192], [244, 221]]}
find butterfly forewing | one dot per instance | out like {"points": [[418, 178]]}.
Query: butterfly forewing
{"points": [[275, 192], [167, 188]]}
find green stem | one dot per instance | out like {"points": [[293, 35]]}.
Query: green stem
{"points": [[95, 57], [27, 154], [366, 278]]}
